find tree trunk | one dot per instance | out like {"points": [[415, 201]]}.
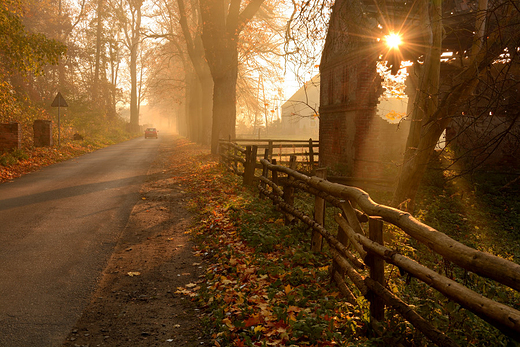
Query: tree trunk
{"points": [[224, 107], [134, 47], [134, 110], [222, 24], [114, 70], [194, 45], [97, 66], [414, 167], [425, 105], [206, 109], [193, 97]]}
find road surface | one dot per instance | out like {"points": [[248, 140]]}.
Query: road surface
{"points": [[58, 226]]}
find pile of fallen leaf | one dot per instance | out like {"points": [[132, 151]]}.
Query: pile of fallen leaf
{"points": [[263, 286]]}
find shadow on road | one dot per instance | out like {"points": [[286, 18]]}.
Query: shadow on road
{"points": [[26, 200]]}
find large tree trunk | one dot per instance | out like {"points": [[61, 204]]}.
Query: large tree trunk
{"points": [[134, 109], [425, 104], [97, 63], [414, 167], [134, 47], [224, 107], [206, 109], [222, 23], [193, 97], [194, 45]]}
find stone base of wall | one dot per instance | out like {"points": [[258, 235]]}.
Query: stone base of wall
{"points": [[10, 136], [42, 133]]}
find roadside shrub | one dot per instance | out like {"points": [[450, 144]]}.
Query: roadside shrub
{"points": [[11, 158]]}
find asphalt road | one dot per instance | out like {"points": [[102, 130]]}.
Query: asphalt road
{"points": [[58, 227]]}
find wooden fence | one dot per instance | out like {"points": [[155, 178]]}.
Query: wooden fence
{"points": [[355, 248], [244, 151]]}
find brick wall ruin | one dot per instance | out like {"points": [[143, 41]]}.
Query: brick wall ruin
{"points": [[354, 140], [10, 136], [42, 133]]}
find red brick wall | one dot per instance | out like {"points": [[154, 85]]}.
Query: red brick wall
{"points": [[349, 140], [336, 147], [10, 136], [42, 133], [354, 139]]}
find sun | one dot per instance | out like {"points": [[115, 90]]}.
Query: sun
{"points": [[393, 40]]}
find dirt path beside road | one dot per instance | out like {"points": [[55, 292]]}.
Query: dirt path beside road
{"points": [[135, 303]]}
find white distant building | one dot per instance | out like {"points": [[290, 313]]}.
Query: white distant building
{"points": [[300, 112]]}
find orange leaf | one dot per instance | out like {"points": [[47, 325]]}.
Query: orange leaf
{"points": [[294, 309], [230, 325], [253, 320]]}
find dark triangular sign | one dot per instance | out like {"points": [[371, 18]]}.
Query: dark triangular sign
{"points": [[59, 101]]}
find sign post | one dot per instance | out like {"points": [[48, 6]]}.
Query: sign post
{"points": [[58, 102]]}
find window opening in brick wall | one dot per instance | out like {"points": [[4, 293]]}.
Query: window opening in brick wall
{"points": [[393, 102]]}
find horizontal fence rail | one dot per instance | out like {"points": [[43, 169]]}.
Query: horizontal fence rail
{"points": [[356, 249], [240, 155], [279, 148]]}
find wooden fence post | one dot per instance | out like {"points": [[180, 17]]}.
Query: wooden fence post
{"points": [[270, 147], [235, 155], [288, 191], [343, 239], [245, 178], [311, 155], [253, 162], [221, 158], [319, 215], [377, 267], [274, 174], [265, 172], [249, 169]]}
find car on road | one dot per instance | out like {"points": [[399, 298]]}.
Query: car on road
{"points": [[150, 132]]}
